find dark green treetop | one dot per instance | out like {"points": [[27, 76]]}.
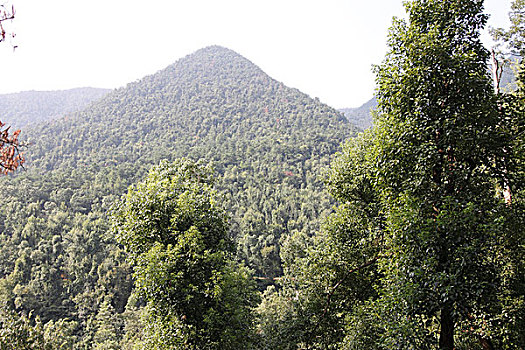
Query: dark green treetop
{"points": [[438, 143]]}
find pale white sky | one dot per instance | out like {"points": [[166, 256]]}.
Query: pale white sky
{"points": [[325, 48]]}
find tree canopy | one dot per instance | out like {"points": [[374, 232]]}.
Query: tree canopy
{"points": [[176, 236]]}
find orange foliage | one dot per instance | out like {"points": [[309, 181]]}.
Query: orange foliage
{"points": [[10, 157]]}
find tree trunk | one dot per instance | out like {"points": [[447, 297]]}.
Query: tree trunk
{"points": [[446, 334], [497, 72], [486, 344]]}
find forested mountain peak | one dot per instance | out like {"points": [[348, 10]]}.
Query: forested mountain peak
{"points": [[216, 76], [268, 145], [205, 69], [213, 92], [215, 61]]}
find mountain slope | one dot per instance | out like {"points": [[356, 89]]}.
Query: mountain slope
{"points": [[30, 107], [361, 116], [262, 136], [269, 145]]}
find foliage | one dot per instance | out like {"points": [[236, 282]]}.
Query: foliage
{"points": [[10, 157], [57, 262], [21, 333], [176, 236]]}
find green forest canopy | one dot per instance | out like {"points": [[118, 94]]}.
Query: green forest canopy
{"points": [[424, 248]]}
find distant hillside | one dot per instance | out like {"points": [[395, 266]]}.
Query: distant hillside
{"points": [[508, 78], [30, 107], [360, 116], [269, 145]]}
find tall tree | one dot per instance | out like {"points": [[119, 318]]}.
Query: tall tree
{"points": [[438, 144], [176, 235]]}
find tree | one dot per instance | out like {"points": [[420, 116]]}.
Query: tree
{"points": [[176, 235], [423, 222], [107, 326], [438, 147]]}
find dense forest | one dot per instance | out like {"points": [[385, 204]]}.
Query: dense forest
{"points": [[209, 206], [268, 145]]}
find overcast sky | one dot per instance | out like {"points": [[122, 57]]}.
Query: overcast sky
{"points": [[325, 48]]}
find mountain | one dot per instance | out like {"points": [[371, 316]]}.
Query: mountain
{"points": [[195, 105], [30, 107], [269, 145], [268, 142], [361, 116]]}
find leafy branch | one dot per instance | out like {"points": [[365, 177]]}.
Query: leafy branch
{"points": [[10, 156]]}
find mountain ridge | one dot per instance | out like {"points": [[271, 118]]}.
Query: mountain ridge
{"points": [[24, 108], [361, 116]]}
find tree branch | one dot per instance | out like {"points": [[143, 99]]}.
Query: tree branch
{"points": [[10, 156]]}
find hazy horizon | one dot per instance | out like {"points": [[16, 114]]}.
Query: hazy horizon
{"points": [[325, 50]]}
